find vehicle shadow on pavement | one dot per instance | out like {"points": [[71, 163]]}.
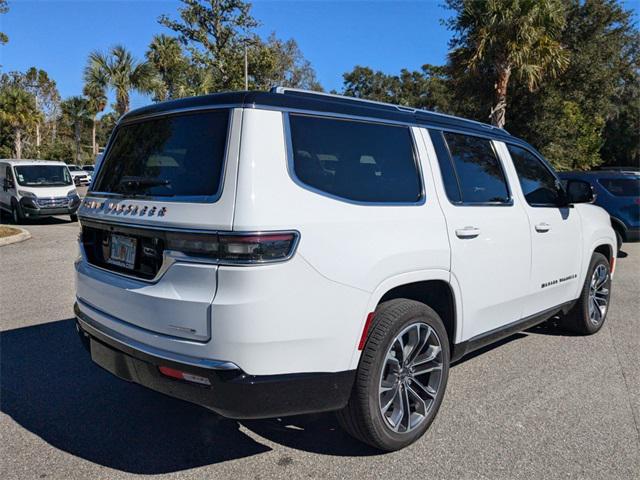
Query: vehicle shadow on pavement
{"points": [[50, 387]]}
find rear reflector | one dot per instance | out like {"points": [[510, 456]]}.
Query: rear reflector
{"points": [[365, 330], [180, 375]]}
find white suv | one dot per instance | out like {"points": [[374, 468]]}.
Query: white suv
{"points": [[270, 254]]}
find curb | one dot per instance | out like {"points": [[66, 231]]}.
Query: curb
{"points": [[18, 237]]}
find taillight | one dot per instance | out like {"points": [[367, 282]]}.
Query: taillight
{"points": [[244, 248]]}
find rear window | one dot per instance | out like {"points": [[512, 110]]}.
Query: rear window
{"points": [[175, 156], [622, 187], [357, 161]]}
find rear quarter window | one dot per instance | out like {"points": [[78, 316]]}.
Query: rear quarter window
{"points": [[355, 160], [621, 187]]}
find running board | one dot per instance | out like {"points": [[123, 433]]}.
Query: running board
{"points": [[497, 334]]}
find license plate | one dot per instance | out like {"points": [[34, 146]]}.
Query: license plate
{"points": [[122, 251]]}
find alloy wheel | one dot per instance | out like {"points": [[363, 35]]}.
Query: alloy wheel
{"points": [[598, 294], [410, 377]]}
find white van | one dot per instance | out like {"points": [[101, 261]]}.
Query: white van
{"points": [[36, 189], [276, 253]]}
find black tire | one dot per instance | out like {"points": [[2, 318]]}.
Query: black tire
{"points": [[73, 217], [579, 319], [16, 214], [362, 418], [619, 240]]}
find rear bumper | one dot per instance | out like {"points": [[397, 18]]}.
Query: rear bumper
{"points": [[232, 392]]}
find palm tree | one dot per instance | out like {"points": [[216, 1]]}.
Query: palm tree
{"points": [[96, 103], [18, 111], [512, 37], [76, 109], [121, 72], [165, 54]]}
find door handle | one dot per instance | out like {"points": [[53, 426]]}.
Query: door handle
{"points": [[467, 232], [543, 227]]}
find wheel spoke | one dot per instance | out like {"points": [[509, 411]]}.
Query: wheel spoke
{"points": [[429, 356], [426, 389], [419, 400], [389, 401], [406, 408]]}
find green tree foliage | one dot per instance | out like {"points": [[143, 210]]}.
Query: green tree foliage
{"points": [[18, 113], [77, 112], [578, 147], [215, 34], [167, 58], [505, 37], [426, 88], [119, 70]]}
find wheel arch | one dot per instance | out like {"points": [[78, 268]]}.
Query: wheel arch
{"points": [[435, 288]]}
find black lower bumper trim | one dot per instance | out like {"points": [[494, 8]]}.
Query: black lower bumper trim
{"points": [[232, 393]]}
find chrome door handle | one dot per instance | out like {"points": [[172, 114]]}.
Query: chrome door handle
{"points": [[467, 232], [543, 227]]}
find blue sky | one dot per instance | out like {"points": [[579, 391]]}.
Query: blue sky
{"points": [[334, 35]]}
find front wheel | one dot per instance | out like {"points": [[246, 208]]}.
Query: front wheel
{"points": [[401, 377], [590, 311], [16, 214]]}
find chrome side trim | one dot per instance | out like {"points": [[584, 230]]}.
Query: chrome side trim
{"points": [[90, 325]]}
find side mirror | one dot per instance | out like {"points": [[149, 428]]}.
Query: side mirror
{"points": [[579, 191]]}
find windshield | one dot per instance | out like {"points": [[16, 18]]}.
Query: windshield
{"points": [[88, 169], [174, 156], [43, 175], [622, 187], [73, 168]]}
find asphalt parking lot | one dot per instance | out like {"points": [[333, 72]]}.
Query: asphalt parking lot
{"points": [[542, 404]]}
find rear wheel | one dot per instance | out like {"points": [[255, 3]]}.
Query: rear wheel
{"points": [[590, 311], [73, 217], [401, 378]]}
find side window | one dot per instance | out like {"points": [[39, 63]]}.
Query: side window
{"points": [[353, 160], [449, 179], [478, 169], [539, 185]]}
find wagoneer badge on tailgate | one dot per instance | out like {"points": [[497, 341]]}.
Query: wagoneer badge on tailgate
{"points": [[122, 209]]}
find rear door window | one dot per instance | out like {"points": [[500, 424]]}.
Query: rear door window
{"points": [[478, 169], [172, 156], [353, 160]]}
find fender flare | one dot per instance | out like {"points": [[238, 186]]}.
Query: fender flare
{"points": [[403, 279]]}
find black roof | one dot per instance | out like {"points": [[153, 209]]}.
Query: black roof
{"points": [[319, 102]]}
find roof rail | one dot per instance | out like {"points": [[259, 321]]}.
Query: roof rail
{"points": [[283, 90], [279, 89]]}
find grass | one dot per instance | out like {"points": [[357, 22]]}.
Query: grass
{"points": [[8, 231]]}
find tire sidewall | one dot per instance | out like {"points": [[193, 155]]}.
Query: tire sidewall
{"points": [[424, 314], [596, 260]]}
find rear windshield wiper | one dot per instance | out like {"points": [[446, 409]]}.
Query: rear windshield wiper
{"points": [[136, 184]]}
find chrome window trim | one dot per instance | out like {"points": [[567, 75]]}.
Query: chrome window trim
{"points": [[317, 191], [201, 199]]}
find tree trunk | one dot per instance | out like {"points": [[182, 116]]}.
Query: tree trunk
{"points": [[94, 147], [122, 103], [77, 129], [499, 109], [18, 144]]}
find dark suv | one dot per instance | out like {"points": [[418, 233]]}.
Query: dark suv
{"points": [[618, 192]]}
